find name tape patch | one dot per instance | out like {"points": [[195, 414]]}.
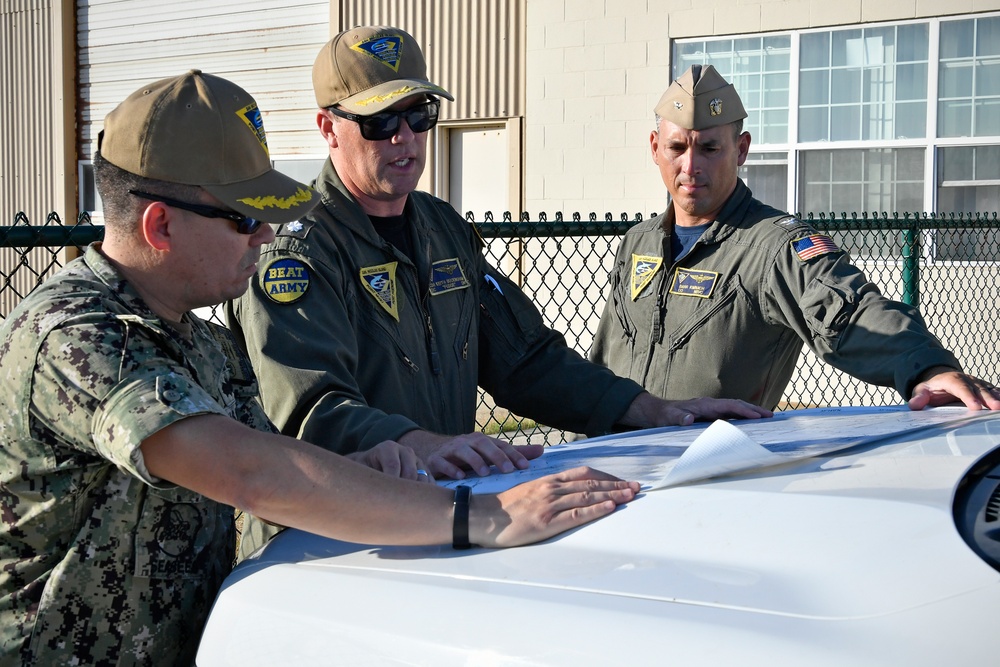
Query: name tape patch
{"points": [[692, 282], [447, 276]]}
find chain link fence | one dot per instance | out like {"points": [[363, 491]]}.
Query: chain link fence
{"points": [[947, 264]]}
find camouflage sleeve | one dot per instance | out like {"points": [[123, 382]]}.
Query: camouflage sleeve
{"points": [[104, 388]]}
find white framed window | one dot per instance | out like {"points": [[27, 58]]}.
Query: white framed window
{"points": [[879, 118]]}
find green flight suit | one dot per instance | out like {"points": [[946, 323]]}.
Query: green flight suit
{"points": [[355, 343], [729, 319]]}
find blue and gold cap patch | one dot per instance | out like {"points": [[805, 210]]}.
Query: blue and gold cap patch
{"points": [[386, 50], [285, 280], [380, 282], [644, 267]]}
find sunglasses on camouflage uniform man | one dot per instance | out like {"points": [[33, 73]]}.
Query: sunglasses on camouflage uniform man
{"points": [[244, 224], [385, 124]]}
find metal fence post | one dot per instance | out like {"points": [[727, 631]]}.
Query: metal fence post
{"points": [[911, 262]]}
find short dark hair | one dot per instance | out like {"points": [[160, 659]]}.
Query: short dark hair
{"points": [[122, 210]]}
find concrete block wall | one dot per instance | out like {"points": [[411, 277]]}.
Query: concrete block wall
{"points": [[595, 69]]}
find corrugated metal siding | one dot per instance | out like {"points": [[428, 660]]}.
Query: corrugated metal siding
{"points": [[33, 136], [28, 164], [474, 48], [266, 46]]}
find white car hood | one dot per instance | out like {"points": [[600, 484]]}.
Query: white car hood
{"points": [[857, 542]]}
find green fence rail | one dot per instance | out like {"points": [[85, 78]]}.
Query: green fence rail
{"points": [[946, 264]]}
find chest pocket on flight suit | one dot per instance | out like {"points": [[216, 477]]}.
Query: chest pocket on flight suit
{"points": [[509, 322]]}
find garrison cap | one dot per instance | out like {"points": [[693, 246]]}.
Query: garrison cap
{"points": [[699, 99], [202, 130], [368, 69]]}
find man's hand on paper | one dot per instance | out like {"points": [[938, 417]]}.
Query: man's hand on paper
{"points": [[943, 385], [648, 411]]}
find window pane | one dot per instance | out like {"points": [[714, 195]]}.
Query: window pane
{"points": [[955, 79], [987, 163], [987, 77], [911, 82], [774, 127], [875, 124], [768, 182], [956, 163], [847, 49], [847, 165], [776, 90], [957, 39], [912, 42], [987, 118], [908, 197], [777, 53], [814, 87], [815, 50], [845, 123], [845, 86], [955, 119], [813, 124], [863, 180], [909, 165], [911, 121], [988, 36]]}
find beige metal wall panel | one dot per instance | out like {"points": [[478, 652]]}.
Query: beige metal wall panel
{"points": [[27, 169], [266, 46], [474, 48], [36, 128]]}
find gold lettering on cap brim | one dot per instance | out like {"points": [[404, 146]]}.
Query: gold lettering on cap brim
{"points": [[375, 99], [270, 201]]}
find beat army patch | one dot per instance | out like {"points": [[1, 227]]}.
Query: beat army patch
{"points": [[447, 276], [380, 282], [644, 267], [692, 282], [285, 280]]}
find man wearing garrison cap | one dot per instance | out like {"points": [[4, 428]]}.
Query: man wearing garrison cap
{"points": [[716, 296]]}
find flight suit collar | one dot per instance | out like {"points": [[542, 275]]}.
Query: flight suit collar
{"points": [[731, 215]]}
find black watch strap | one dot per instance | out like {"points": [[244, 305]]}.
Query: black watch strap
{"points": [[460, 523]]}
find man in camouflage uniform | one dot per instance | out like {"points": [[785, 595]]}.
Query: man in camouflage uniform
{"points": [[717, 295], [129, 428]]}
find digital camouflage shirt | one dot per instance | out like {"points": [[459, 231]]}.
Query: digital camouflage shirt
{"points": [[101, 563]]}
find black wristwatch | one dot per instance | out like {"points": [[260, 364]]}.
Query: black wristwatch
{"points": [[460, 523]]}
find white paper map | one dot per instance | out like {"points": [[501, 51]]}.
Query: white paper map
{"points": [[664, 457]]}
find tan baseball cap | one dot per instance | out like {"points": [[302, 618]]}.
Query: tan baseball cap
{"points": [[199, 129], [699, 99], [368, 69]]}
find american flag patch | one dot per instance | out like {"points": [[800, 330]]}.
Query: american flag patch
{"points": [[813, 245]]}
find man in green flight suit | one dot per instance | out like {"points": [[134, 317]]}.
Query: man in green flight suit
{"points": [[716, 296]]}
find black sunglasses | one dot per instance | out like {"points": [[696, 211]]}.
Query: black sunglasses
{"points": [[244, 225], [385, 124]]}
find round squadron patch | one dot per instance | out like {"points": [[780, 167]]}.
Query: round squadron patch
{"points": [[285, 280]]}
